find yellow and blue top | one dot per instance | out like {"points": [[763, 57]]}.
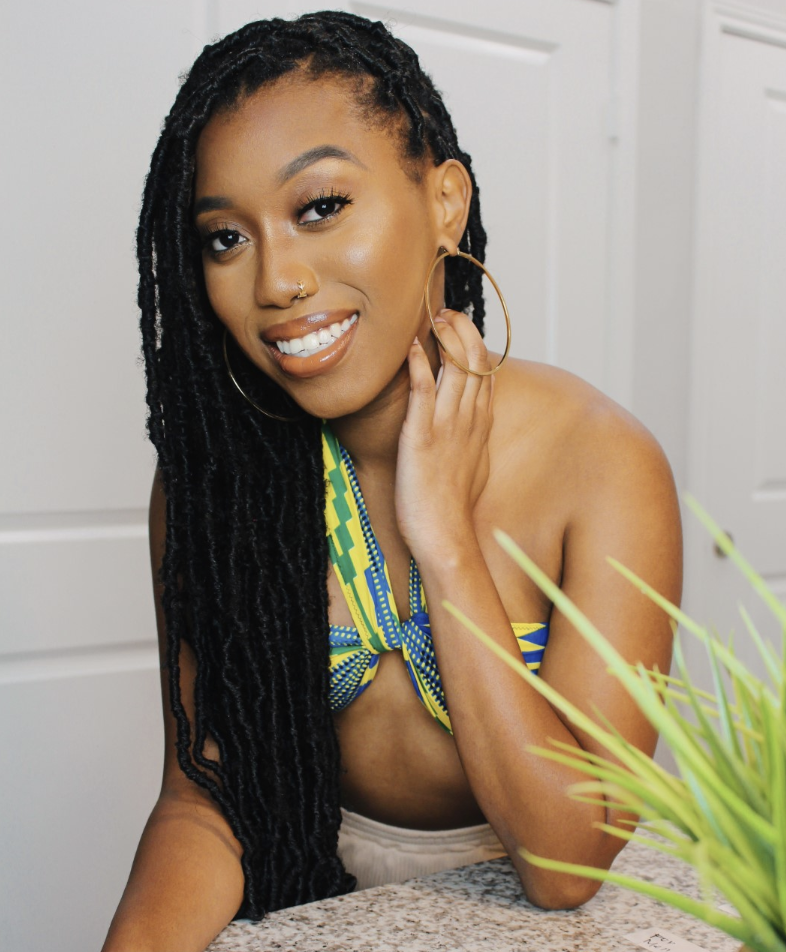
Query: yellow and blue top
{"points": [[362, 573]]}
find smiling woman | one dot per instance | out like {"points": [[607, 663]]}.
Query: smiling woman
{"points": [[323, 464]]}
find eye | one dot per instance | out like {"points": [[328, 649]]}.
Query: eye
{"points": [[322, 207], [223, 240]]}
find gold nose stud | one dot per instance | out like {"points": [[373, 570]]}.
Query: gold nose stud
{"points": [[302, 290]]}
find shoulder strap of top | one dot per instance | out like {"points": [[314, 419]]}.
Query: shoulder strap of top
{"points": [[532, 641], [360, 569]]}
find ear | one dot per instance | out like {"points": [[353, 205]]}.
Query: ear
{"points": [[451, 193]]}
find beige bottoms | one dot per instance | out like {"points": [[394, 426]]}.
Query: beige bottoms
{"points": [[377, 853]]}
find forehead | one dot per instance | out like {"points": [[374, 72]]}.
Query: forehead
{"points": [[273, 125]]}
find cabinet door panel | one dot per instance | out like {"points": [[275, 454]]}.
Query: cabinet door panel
{"points": [[527, 84], [739, 426]]}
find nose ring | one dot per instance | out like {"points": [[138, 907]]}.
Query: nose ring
{"points": [[302, 290]]}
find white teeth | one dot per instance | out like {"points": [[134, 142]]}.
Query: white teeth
{"points": [[316, 340]]}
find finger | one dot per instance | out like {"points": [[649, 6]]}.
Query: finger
{"points": [[487, 407], [444, 321], [474, 389], [475, 401], [452, 379], [473, 344], [422, 390], [477, 412]]}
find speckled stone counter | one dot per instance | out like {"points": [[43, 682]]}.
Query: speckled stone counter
{"points": [[480, 907]]}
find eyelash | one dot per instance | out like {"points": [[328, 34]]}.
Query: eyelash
{"points": [[340, 198], [220, 228]]}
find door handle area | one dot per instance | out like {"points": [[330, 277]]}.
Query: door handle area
{"points": [[718, 550]]}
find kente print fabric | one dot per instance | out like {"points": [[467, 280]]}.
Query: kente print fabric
{"points": [[362, 573]]}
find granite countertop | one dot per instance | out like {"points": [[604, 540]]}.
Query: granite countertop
{"points": [[481, 907]]}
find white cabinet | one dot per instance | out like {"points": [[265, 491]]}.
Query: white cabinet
{"points": [[85, 86], [738, 418]]}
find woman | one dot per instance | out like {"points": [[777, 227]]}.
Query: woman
{"points": [[306, 183]]}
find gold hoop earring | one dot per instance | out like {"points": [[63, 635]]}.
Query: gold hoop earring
{"points": [[256, 406], [503, 358]]}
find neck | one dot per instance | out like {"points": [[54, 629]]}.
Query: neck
{"points": [[371, 435]]}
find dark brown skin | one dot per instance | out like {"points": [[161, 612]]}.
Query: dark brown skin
{"points": [[538, 453]]}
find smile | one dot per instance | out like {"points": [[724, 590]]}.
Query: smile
{"points": [[313, 344], [315, 341]]}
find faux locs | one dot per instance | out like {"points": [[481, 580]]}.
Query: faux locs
{"points": [[244, 571]]}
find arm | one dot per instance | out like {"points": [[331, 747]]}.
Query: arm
{"points": [[186, 882], [623, 504]]}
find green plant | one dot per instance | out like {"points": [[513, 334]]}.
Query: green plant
{"points": [[725, 814]]}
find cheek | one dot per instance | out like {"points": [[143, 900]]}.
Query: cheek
{"points": [[374, 239], [391, 256], [226, 295], [361, 255]]}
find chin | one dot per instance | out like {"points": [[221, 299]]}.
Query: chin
{"points": [[334, 408], [348, 394]]}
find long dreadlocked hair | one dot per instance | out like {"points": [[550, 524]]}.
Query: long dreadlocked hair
{"points": [[244, 570]]}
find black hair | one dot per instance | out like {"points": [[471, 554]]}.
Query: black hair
{"points": [[246, 557]]}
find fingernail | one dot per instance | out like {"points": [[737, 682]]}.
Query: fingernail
{"points": [[416, 343], [440, 320], [439, 377]]}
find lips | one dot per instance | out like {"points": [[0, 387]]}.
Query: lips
{"points": [[314, 335], [316, 340]]}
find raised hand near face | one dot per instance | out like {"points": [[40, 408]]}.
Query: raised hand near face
{"points": [[443, 459]]}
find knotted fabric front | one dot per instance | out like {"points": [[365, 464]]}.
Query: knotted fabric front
{"points": [[362, 573]]}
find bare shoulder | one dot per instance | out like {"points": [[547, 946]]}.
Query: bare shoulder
{"points": [[576, 478], [581, 480], [584, 440]]}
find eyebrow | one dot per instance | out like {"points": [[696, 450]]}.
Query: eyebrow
{"points": [[315, 155], [216, 203], [210, 203]]}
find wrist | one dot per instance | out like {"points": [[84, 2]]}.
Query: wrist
{"points": [[449, 552]]}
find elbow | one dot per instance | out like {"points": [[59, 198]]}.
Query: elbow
{"points": [[554, 891]]}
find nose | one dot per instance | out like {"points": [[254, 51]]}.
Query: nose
{"points": [[282, 276]]}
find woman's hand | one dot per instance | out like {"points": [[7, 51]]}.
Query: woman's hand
{"points": [[443, 459]]}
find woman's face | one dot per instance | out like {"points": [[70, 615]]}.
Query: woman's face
{"points": [[294, 188]]}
